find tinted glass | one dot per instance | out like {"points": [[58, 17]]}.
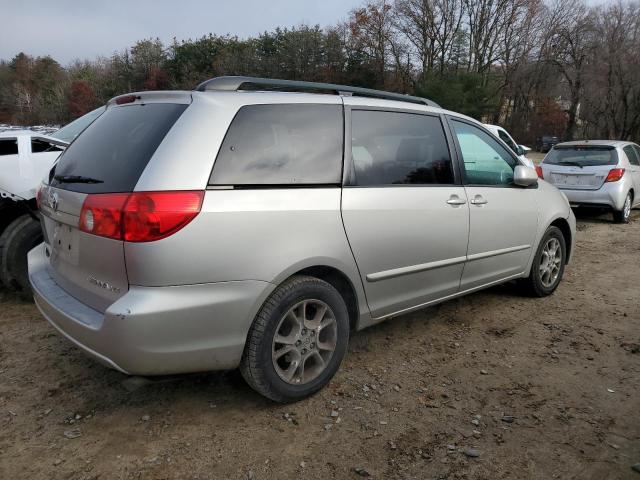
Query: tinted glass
{"points": [[282, 145], [116, 147], [637, 148], [632, 155], [8, 146], [507, 139], [582, 156], [399, 148], [40, 145], [73, 129], [486, 162]]}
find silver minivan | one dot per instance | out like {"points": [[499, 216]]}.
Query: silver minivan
{"points": [[256, 223], [596, 173]]}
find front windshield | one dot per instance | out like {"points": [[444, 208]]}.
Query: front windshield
{"points": [[71, 130], [582, 156]]}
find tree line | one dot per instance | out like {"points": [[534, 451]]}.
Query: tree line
{"points": [[558, 67]]}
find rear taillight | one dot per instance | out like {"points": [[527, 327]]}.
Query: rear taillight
{"points": [[101, 214], [539, 171], [139, 216], [614, 175], [151, 216]]}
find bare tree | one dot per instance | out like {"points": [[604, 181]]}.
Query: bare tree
{"points": [[612, 91], [569, 42], [431, 27]]}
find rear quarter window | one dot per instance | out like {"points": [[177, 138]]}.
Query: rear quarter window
{"points": [[632, 154], [116, 148], [297, 144]]}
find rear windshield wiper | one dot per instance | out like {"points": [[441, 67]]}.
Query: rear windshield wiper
{"points": [[76, 179]]}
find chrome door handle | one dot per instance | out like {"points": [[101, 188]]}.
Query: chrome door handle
{"points": [[479, 200], [456, 200]]}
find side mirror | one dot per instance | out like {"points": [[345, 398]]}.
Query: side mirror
{"points": [[524, 176], [520, 150]]}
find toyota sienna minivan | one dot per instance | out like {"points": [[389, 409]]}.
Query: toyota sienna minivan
{"points": [[256, 223]]}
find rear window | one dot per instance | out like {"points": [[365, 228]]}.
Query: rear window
{"points": [[281, 145], [115, 149], [588, 156]]}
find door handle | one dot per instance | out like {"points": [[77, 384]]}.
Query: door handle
{"points": [[456, 200], [479, 200]]}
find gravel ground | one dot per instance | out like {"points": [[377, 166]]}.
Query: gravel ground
{"points": [[491, 386]]}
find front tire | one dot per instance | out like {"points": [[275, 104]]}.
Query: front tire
{"points": [[548, 264], [20, 236], [622, 216], [297, 341]]}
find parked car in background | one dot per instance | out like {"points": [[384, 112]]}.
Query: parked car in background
{"points": [[71, 130], [519, 150], [596, 173], [25, 159], [236, 226], [545, 143]]}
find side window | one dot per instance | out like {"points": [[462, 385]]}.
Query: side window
{"points": [[8, 146], [486, 162], [293, 144], [40, 145], [632, 154], [507, 139], [390, 148]]}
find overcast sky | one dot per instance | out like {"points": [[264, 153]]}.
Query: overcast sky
{"points": [[71, 29]]}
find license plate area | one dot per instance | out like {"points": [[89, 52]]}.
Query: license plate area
{"points": [[64, 243], [570, 180]]}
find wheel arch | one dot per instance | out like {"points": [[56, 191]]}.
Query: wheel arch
{"points": [[342, 284], [565, 228], [343, 277]]}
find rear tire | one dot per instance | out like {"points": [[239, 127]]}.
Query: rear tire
{"points": [[622, 216], [548, 264], [291, 321], [20, 236]]}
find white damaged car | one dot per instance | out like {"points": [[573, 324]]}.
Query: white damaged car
{"points": [[26, 157]]}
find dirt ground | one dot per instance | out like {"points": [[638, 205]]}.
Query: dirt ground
{"points": [[491, 386]]}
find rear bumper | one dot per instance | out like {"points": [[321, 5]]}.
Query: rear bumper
{"points": [[610, 195], [155, 330]]}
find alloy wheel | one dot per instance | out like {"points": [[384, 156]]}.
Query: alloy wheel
{"points": [[304, 342], [626, 209], [550, 262]]}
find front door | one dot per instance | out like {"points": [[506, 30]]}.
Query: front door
{"points": [[405, 213], [503, 217]]}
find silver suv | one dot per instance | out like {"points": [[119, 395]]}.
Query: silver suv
{"points": [[256, 223]]}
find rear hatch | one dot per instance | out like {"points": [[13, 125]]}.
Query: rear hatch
{"points": [[108, 157], [579, 167]]}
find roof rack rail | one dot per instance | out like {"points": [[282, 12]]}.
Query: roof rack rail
{"points": [[234, 83]]}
